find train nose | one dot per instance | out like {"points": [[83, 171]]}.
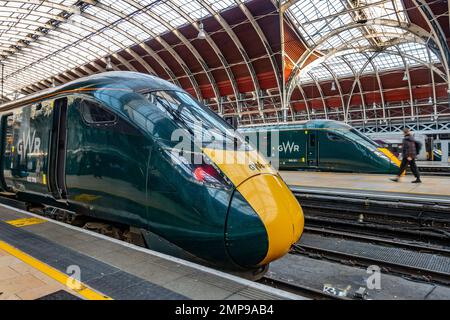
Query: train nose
{"points": [[264, 220]]}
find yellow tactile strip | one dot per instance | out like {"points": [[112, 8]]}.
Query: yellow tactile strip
{"points": [[73, 284], [25, 222]]}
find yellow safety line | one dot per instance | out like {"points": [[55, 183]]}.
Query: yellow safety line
{"points": [[55, 274], [25, 222]]}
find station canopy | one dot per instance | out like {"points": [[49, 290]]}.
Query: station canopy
{"points": [[331, 27], [259, 60]]}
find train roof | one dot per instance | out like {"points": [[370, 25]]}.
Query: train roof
{"points": [[133, 81], [308, 124]]}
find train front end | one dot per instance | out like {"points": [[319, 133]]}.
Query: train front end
{"points": [[264, 219], [230, 207]]}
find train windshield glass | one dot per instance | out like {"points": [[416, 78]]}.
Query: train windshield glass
{"points": [[201, 122], [365, 138]]}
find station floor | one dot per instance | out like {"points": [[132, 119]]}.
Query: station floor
{"points": [[39, 257], [431, 185], [433, 164], [21, 281]]}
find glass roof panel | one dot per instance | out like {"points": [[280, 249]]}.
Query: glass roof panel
{"points": [[343, 64], [84, 32], [319, 19]]}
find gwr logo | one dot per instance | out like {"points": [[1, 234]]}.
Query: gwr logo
{"points": [[288, 147], [32, 144], [257, 166]]}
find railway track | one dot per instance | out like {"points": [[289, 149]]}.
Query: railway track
{"points": [[411, 260], [300, 289], [405, 232], [426, 220], [409, 245]]}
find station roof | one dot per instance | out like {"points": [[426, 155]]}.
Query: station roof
{"points": [[331, 56]]}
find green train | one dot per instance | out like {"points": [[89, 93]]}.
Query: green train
{"points": [[324, 145], [103, 147]]}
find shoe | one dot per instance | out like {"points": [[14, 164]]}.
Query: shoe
{"points": [[417, 181], [394, 179]]}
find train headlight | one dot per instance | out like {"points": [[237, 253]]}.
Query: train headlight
{"points": [[199, 169]]}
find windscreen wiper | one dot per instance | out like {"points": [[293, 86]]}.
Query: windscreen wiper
{"points": [[174, 114]]}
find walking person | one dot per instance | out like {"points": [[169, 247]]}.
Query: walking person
{"points": [[410, 149]]}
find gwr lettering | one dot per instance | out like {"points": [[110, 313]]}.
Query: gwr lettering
{"points": [[32, 144], [257, 166], [288, 146]]}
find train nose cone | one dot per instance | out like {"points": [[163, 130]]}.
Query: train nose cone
{"points": [[264, 221]]}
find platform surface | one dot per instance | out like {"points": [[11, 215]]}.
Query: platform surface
{"points": [[431, 185], [433, 164], [107, 268], [21, 281]]}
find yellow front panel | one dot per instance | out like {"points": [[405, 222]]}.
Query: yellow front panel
{"points": [[278, 209], [390, 155], [239, 165]]}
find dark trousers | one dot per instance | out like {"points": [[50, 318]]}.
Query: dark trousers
{"points": [[413, 166]]}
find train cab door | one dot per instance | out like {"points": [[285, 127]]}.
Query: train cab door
{"points": [[57, 161], [312, 155]]}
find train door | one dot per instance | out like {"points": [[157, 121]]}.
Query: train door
{"points": [[312, 156], [26, 134], [57, 161], [106, 163]]}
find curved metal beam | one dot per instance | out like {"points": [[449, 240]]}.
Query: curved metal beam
{"points": [[336, 81], [322, 97], [213, 45], [186, 43], [415, 30], [239, 45]]}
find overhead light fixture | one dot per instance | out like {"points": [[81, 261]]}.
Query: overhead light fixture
{"points": [[109, 66], [53, 82], [201, 32], [405, 76], [430, 100], [374, 106], [333, 86]]}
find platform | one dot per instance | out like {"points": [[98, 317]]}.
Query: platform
{"points": [[433, 164], [37, 256], [22, 281], [436, 186]]}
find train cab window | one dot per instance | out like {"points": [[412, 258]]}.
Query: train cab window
{"points": [[334, 137], [93, 113]]}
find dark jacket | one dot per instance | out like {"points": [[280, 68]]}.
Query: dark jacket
{"points": [[409, 147]]}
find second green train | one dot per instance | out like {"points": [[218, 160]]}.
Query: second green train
{"points": [[323, 145]]}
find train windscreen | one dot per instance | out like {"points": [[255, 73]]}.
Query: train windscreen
{"points": [[197, 119], [365, 138]]}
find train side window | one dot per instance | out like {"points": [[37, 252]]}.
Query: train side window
{"points": [[93, 113], [334, 137]]}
